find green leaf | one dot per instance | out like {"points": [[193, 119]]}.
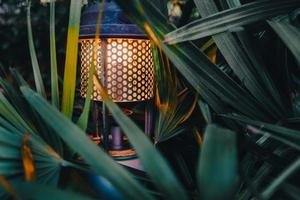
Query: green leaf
{"points": [[35, 66], [291, 190], [288, 33], [99, 161], [17, 105], [276, 183], [205, 111], [16, 74], [69, 83], [279, 131], [13, 96], [208, 80], [153, 162], [5, 124], [83, 119], [217, 169], [54, 75], [230, 19], [246, 63], [47, 163], [44, 192], [279, 138], [174, 108], [11, 114]]}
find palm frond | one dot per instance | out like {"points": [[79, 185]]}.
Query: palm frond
{"points": [[99, 161], [230, 19]]}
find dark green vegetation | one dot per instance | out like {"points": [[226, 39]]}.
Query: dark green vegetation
{"points": [[230, 77]]}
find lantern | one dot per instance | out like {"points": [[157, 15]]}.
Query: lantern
{"points": [[123, 62]]}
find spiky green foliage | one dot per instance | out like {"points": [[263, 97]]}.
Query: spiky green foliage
{"points": [[255, 156]]}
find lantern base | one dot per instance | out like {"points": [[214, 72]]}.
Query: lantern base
{"points": [[122, 152], [125, 154]]}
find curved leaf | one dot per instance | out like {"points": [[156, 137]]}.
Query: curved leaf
{"points": [[71, 58], [99, 161], [207, 79], [288, 33], [229, 19], [153, 162], [276, 130], [217, 169], [35, 66], [54, 75]]}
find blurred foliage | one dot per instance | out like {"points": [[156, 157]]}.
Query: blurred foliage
{"points": [[246, 78], [14, 48]]}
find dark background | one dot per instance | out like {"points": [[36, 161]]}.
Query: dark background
{"points": [[14, 50]]}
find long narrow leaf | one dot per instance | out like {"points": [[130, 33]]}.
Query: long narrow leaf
{"points": [[217, 169], [35, 66], [100, 162], [289, 35], [153, 162], [246, 64], [43, 192], [54, 75], [280, 131], [283, 140], [267, 193], [230, 19], [71, 59], [207, 79], [10, 113], [83, 119]]}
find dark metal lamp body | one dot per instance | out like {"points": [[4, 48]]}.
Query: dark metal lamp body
{"points": [[123, 62]]}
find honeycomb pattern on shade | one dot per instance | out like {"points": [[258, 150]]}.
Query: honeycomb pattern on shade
{"points": [[129, 68]]}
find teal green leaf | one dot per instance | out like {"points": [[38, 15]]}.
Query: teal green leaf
{"points": [[246, 63], [11, 114], [44, 192], [35, 66], [282, 132], [15, 101], [46, 161], [205, 111], [217, 169], [83, 119], [288, 33], [53, 61], [230, 19], [99, 161], [153, 162], [278, 181], [174, 107], [214, 86], [279, 138]]}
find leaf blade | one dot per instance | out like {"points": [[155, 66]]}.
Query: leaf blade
{"points": [[71, 59], [35, 66], [100, 162], [217, 168], [53, 60]]}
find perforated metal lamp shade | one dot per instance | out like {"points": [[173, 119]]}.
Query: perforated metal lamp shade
{"points": [[123, 56]]}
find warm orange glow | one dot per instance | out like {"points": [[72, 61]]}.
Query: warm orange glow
{"points": [[129, 68]]}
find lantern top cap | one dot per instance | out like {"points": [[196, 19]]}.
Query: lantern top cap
{"points": [[114, 22]]}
